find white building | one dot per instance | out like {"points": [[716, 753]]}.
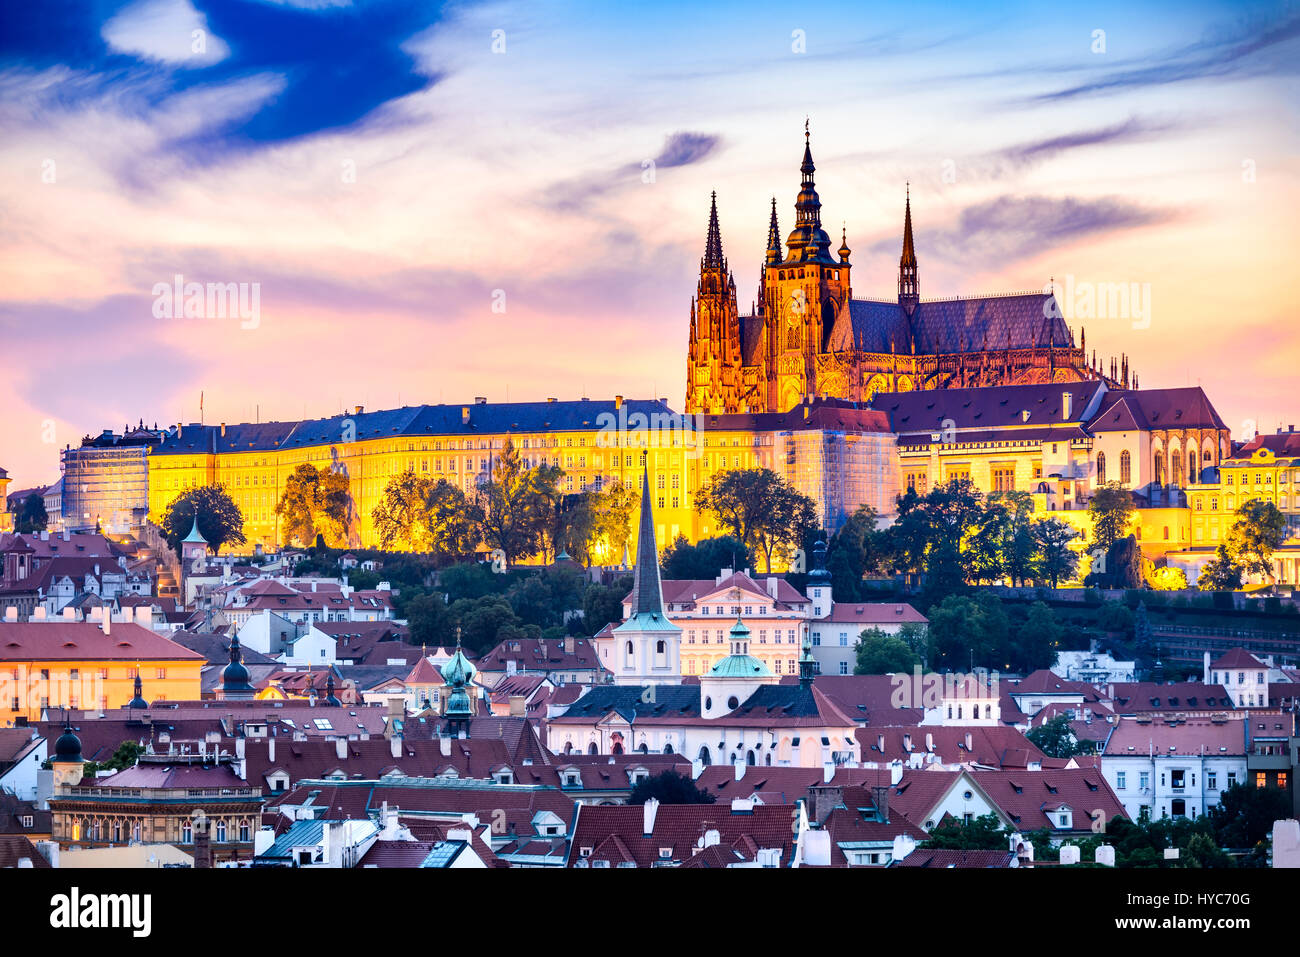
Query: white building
{"points": [[1174, 767], [1243, 675]]}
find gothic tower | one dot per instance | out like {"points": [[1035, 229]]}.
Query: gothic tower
{"points": [[908, 286], [805, 291], [713, 376]]}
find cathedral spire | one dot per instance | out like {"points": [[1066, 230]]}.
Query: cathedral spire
{"points": [[773, 237], [713, 243], [647, 592], [808, 242], [908, 283]]}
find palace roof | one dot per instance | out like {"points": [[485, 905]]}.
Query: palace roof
{"points": [[85, 641], [948, 326]]}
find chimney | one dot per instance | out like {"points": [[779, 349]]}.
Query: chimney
{"points": [[570, 645], [518, 706], [464, 415], [648, 812], [618, 402], [822, 799], [929, 741], [223, 430], [895, 773], [1067, 406], [907, 743], [341, 748], [880, 743], [38, 613], [828, 772], [444, 746], [771, 586], [395, 745], [270, 750], [108, 623], [359, 409], [968, 741], [740, 769], [881, 796], [144, 616]]}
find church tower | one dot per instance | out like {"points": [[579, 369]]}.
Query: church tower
{"points": [[713, 376], [806, 289], [647, 647], [908, 287]]}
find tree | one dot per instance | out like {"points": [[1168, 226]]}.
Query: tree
{"points": [[1114, 616], [603, 604], [759, 508], [968, 630], [1111, 511], [669, 787], [1055, 738], [1244, 815], [220, 521], [1168, 579], [881, 654], [704, 559], [1039, 638], [517, 505], [315, 502], [451, 522], [430, 620], [399, 518], [1053, 558], [984, 833], [1220, 573], [30, 515], [1259, 529]]}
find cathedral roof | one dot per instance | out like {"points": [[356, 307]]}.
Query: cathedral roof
{"points": [[990, 407], [1185, 408], [944, 326]]}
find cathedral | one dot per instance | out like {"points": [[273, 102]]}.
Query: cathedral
{"points": [[808, 336]]}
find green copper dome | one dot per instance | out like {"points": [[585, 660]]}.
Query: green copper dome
{"points": [[458, 671], [739, 666]]}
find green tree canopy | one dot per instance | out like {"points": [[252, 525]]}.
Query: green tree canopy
{"points": [[1258, 531], [879, 653], [669, 787], [706, 558], [29, 515], [220, 521]]}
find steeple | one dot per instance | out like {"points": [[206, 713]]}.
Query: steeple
{"points": [[808, 242], [647, 591], [807, 663], [330, 700], [773, 237], [844, 244], [234, 677], [138, 701], [713, 258], [908, 285]]}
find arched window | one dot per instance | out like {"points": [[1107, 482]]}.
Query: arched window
{"points": [[1192, 470], [591, 748], [1160, 468], [750, 759], [617, 749], [1125, 468], [668, 749], [1101, 468], [1176, 469], [704, 757]]}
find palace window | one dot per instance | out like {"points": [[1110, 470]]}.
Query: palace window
{"points": [[1101, 468]]}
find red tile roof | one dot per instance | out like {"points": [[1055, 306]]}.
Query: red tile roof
{"points": [[679, 828], [947, 857], [86, 641]]}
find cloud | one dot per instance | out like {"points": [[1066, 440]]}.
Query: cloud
{"points": [[1001, 230], [679, 149], [1253, 49], [166, 31]]}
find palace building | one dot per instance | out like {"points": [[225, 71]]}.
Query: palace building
{"points": [[808, 335]]}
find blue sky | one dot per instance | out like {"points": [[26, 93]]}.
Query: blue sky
{"points": [[383, 169]]}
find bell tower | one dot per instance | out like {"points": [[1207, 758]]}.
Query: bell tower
{"points": [[713, 375]]}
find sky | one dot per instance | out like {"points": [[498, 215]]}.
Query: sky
{"points": [[433, 202]]}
